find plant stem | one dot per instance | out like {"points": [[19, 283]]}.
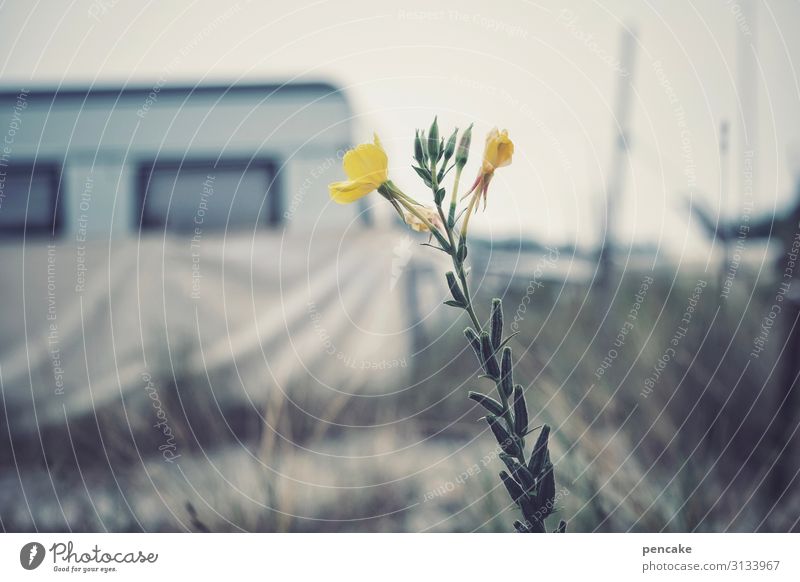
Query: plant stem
{"points": [[458, 265]]}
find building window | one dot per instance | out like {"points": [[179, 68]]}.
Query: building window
{"points": [[29, 196], [210, 195]]}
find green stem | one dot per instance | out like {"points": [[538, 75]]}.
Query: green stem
{"points": [[458, 266], [454, 197]]}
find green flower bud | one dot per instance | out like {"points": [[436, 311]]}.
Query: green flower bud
{"points": [[520, 411], [490, 365], [462, 153], [450, 148], [497, 323], [419, 152], [433, 140], [506, 374]]}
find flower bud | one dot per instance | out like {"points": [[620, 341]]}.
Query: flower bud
{"points": [[506, 442], [450, 148], [513, 488], [433, 140], [487, 402], [520, 411], [545, 497], [539, 454], [506, 374], [462, 153], [497, 323], [490, 365], [419, 152]]}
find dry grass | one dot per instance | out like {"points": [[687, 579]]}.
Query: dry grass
{"points": [[698, 453]]}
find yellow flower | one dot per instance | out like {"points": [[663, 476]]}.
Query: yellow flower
{"points": [[416, 223], [367, 169], [498, 152]]}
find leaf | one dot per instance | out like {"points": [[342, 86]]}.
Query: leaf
{"points": [[475, 342], [424, 174], [455, 289], [450, 303], [505, 341]]}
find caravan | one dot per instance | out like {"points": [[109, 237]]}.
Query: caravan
{"points": [[171, 233]]}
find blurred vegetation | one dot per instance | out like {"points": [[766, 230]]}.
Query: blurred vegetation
{"points": [[698, 453]]}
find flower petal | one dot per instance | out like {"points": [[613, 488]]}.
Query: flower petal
{"points": [[349, 191], [367, 162]]}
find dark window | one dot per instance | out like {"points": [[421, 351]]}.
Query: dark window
{"points": [[29, 199], [208, 195]]}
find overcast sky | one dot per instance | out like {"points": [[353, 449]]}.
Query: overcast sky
{"points": [[547, 73]]}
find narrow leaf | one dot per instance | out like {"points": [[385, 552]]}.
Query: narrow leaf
{"points": [[475, 342]]}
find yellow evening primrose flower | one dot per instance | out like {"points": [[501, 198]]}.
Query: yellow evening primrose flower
{"points": [[498, 151], [367, 169]]}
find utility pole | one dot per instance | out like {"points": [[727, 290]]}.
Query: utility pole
{"points": [[619, 155]]}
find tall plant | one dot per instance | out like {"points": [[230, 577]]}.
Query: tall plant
{"points": [[529, 478]]}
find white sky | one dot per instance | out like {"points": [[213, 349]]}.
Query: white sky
{"points": [[527, 66]]}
